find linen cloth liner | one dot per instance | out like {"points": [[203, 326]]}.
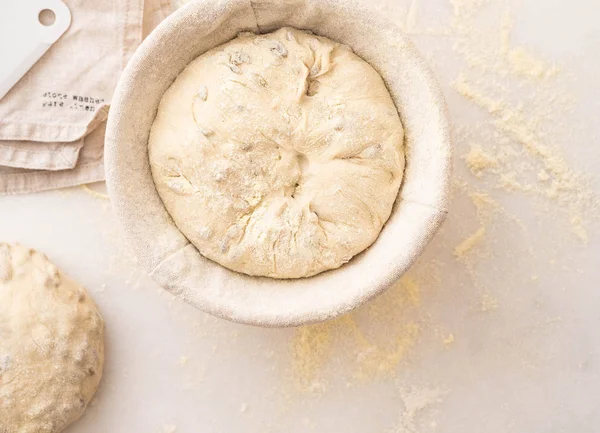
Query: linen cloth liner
{"points": [[177, 265], [53, 120]]}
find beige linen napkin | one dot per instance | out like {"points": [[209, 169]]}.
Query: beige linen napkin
{"points": [[89, 168], [52, 121]]}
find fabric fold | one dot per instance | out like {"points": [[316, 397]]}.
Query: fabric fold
{"points": [[52, 122], [33, 155]]}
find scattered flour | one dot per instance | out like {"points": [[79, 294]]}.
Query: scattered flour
{"points": [[521, 61], [94, 193], [485, 206], [462, 249], [478, 160], [372, 342], [448, 340], [311, 346], [524, 130], [416, 403], [488, 303]]}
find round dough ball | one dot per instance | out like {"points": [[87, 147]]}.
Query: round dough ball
{"points": [[278, 155], [51, 344]]}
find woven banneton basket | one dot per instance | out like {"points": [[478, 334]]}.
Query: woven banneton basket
{"points": [[169, 257]]}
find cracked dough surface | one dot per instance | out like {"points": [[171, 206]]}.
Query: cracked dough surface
{"points": [[278, 155], [51, 344]]}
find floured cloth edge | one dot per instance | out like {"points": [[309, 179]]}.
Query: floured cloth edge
{"points": [[51, 133], [90, 168], [40, 156], [43, 180]]}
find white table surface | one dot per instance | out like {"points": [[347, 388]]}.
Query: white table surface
{"points": [[522, 308]]}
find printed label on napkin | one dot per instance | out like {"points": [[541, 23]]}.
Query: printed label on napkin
{"points": [[66, 94]]}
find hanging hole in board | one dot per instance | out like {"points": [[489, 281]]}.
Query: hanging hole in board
{"points": [[47, 17]]}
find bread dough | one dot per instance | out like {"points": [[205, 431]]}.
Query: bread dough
{"points": [[51, 344], [278, 155]]}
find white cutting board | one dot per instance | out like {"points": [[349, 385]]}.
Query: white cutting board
{"points": [[24, 38]]}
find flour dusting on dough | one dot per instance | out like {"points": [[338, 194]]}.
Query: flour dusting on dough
{"points": [[279, 154]]}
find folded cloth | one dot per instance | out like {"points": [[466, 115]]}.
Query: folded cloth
{"points": [[89, 168], [52, 121], [39, 155]]}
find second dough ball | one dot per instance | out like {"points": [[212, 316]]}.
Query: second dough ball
{"points": [[51, 344]]}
